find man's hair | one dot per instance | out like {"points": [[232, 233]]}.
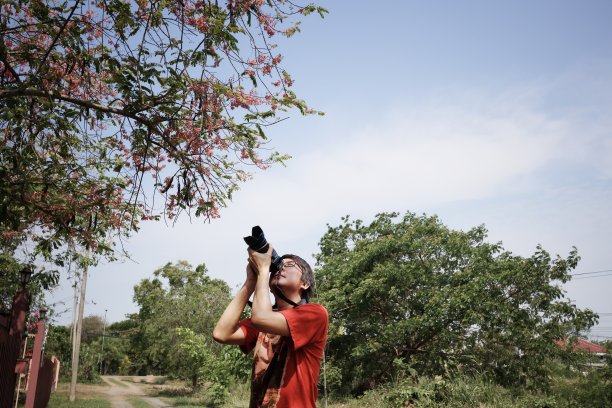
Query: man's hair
{"points": [[307, 274]]}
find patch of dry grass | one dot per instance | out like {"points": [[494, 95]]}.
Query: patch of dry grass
{"points": [[87, 396]]}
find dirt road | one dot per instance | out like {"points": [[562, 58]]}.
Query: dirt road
{"points": [[120, 391]]}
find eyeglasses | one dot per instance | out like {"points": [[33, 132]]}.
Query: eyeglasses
{"points": [[284, 265]]}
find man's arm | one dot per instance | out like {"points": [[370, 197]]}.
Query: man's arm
{"points": [[227, 330], [262, 316]]}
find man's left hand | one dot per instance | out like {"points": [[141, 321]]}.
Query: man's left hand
{"points": [[261, 262]]}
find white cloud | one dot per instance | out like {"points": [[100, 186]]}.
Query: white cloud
{"points": [[415, 157]]}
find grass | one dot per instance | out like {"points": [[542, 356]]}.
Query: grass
{"points": [[118, 382], [87, 396], [462, 392], [137, 402], [62, 401], [469, 392], [177, 395], [149, 379]]}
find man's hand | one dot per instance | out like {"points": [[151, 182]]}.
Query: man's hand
{"points": [[260, 262]]}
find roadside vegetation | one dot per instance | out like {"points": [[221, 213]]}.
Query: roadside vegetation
{"points": [[138, 402], [420, 316], [90, 396]]}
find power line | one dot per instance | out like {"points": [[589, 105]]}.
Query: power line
{"points": [[592, 277], [591, 273]]}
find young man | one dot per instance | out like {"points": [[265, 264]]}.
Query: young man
{"points": [[288, 341]]}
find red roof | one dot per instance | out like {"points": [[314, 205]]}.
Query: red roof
{"points": [[584, 345]]}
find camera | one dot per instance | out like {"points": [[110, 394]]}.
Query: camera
{"points": [[257, 242]]}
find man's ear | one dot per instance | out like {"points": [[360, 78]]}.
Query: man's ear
{"points": [[304, 286]]}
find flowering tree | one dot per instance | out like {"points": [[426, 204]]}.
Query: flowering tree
{"points": [[117, 111]]}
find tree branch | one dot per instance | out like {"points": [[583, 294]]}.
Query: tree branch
{"points": [[57, 36], [4, 59], [38, 93]]}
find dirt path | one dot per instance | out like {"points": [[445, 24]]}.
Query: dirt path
{"points": [[119, 394]]}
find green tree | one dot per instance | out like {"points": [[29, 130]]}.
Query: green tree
{"points": [[111, 355], [10, 282], [178, 309], [89, 363], [92, 329], [59, 345], [409, 295], [128, 333]]}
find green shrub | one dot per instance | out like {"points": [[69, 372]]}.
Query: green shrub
{"points": [[536, 401]]}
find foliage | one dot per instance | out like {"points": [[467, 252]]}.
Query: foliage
{"points": [[592, 390], [175, 322], [109, 105], [10, 282], [571, 390], [460, 392], [92, 328], [62, 401], [94, 357], [89, 367], [137, 402], [112, 354], [411, 294], [219, 369], [204, 396], [125, 334], [59, 345]]}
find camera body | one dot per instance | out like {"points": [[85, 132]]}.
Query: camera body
{"points": [[257, 242]]}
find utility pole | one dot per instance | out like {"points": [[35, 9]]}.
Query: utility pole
{"points": [[77, 340], [102, 352], [75, 304]]}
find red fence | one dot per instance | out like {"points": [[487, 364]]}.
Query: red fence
{"points": [[41, 371], [12, 328]]}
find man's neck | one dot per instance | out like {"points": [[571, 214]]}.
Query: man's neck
{"points": [[282, 305]]}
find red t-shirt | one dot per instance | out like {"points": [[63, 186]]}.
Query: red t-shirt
{"points": [[286, 369]]}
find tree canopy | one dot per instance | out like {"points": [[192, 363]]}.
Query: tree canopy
{"points": [[117, 111], [409, 296], [179, 307]]}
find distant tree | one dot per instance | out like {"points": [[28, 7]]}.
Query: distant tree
{"points": [[59, 345], [111, 354], [109, 108], [179, 305], [89, 363], [93, 327], [124, 327], [130, 336], [410, 296]]}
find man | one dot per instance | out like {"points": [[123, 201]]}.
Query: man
{"points": [[288, 340]]}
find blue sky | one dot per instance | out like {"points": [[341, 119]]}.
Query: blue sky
{"points": [[482, 112]]}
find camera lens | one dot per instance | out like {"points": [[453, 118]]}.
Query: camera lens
{"points": [[257, 242]]}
